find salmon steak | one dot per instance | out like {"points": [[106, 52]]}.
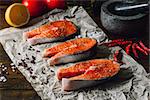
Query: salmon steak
{"points": [[70, 51], [87, 73], [53, 31]]}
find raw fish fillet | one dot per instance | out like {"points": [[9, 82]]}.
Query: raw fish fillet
{"points": [[70, 51], [87, 74], [54, 31]]}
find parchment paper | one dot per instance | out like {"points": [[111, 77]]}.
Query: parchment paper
{"points": [[132, 82]]}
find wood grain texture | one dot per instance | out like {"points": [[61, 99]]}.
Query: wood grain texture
{"points": [[18, 95], [3, 23]]}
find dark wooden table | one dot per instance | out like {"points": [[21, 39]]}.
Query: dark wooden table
{"points": [[17, 87]]}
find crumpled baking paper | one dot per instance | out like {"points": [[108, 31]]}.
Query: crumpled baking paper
{"points": [[131, 83]]}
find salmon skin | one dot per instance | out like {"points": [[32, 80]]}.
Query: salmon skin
{"points": [[70, 51], [54, 31], [87, 74]]}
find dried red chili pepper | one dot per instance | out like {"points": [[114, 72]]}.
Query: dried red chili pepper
{"points": [[134, 50], [140, 49], [117, 40], [144, 47], [124, 42], [127, 49], [118, 56], [112, 44]]}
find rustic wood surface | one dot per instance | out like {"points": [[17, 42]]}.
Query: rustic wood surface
{"points": [[17, 87]]}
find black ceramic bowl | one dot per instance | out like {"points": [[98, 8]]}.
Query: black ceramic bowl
{"points": [[123, 24]]}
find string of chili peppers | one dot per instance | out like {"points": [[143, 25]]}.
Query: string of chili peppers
{"points": [[131, 46]]}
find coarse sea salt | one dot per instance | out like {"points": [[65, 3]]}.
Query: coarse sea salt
{"points": [[4, 71], [3, 79]]}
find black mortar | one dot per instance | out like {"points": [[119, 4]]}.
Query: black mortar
{"points": [[123, 24]]}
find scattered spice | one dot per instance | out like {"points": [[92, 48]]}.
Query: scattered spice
{"points": [[33, 77], [33, 49], [29, 68], [37, 51], [27, 58], [19, 64], [33, 58], [51, 70], [14, 40], [33, 61], [29, 48], [43, 72], [22, 60], [42, 83], [22, 63]]}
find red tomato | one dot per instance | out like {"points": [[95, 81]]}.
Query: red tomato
{"points": [[35, 7], [55, 4]]}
